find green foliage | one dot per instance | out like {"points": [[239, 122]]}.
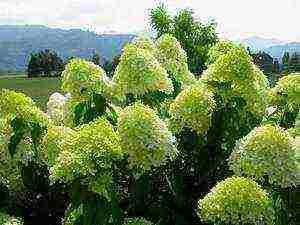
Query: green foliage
{"points": [[161, 21], [145, 137], [267, 154], [236, 200], [193, 109]]}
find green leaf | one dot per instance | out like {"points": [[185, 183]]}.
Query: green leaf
{"points": [[19, 129]]}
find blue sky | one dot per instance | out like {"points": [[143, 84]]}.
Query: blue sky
{"points": [[236, 18]]}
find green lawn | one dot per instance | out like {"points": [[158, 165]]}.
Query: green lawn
{"points": [[37, 88]]}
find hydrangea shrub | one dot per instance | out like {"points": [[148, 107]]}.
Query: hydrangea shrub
{"points": [[192, 109], [236, 200], [145, 137], [266, 151]]}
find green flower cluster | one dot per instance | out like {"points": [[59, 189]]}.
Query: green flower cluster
{"points": [[82, 78], [287, 92], [139, 73], [234, 75], [137, 221], [266, 151], [144, 42], [6, 219], [170, 54], [236, 200], [193, 109], [53, 142], [145, 137], [17, 105], [88, 154], [222, 47], [23, 107]]}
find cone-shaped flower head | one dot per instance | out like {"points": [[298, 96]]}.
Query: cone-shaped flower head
{"points": [[144, 42], [222, 47], [234, 75], [82, 78], [236, 200], [287, 92], [88, 152], [266, 150], [21, 106], [192, 109], [139, 72], [6, 219], [137, 221], [173, 58], [145, 137]]}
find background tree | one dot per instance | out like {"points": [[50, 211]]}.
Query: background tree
{"points": [[45, 63], [294, 63], [110, 66], [264, 62], [195, 37], [96, 59], [285, 62]]}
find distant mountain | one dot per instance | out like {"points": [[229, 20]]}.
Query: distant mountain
{"points": [[17, 42], [274, 47], [277, 51], [258, 43]]}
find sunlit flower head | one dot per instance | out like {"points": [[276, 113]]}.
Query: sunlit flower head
{"points": [[145, 137], [192, 109], [170, 54], [236, 200], [82, 78], [287, 92], [139, 72], [266, 151]]}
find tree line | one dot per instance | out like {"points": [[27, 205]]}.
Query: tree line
{"points": [[47, 63]]}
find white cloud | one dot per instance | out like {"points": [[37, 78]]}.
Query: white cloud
{"points": [[236, 18]]}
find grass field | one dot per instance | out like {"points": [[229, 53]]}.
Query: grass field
{"points": [[37, 88]]}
